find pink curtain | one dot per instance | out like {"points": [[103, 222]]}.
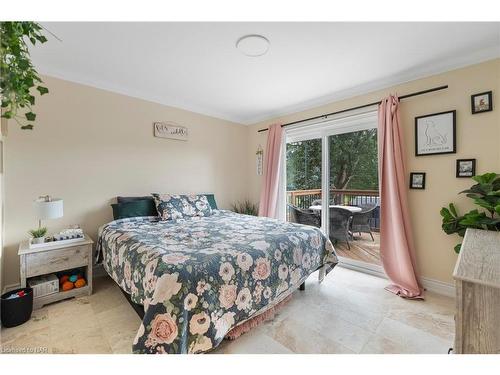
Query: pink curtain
{"points": [[268, 205], [396, 237]]}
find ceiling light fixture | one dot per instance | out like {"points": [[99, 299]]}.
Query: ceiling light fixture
{"points": [[253, 45]]}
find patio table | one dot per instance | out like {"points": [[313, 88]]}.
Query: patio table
{"points": [[350, 208]]}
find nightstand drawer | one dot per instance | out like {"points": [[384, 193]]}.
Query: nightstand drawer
{"points": [[56, 260]]}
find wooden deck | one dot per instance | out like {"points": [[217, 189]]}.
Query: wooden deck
{"points": [[362, 248]]}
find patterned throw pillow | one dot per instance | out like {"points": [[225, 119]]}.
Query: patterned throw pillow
{"points": [[174, 207]]}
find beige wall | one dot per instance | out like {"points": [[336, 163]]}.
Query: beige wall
{"points": [[3, 124], [90, 145], [478, 136]]}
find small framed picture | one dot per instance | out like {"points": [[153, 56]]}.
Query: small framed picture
{"points": [[466, 167], [417, 180], [435, 134], [482, 102]]}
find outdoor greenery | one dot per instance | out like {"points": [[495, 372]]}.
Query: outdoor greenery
{"points": [[353, 162], [246, 207], [303, 165], [485, 194], [38, 233], [18, 77]]}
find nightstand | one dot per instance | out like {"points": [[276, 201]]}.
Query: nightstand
{"points": [[56, 258]]}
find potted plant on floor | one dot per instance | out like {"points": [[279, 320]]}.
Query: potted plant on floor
{"points": [[246, 208], [485, 194], [38, 235]]}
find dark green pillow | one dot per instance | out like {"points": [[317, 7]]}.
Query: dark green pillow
{"points": [[121, 199], [210, 198], [143, 207], [211, 201]]}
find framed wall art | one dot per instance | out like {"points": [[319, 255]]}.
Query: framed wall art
{"points": [[435, 134], [417, 180], [482, 102], [466, 168]]}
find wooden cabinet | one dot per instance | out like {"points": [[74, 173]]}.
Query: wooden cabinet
{"points": [[56, 258], [477, 280]]}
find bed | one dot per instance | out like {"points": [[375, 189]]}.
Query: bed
{"points": [[199, 278]]}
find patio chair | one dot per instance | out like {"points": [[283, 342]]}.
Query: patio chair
{"points": [[340, 221], [316, 202], [361, 221], [306, 217]]}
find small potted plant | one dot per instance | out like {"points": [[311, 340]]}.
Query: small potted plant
{"points": [[38, 235]]}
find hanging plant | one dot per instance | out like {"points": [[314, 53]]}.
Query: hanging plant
{"points": [[18, 77]]}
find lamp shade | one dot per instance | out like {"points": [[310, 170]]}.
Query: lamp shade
{"points": [[48, 210]]}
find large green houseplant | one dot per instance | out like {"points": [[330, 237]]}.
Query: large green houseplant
{"points": [[485, 194], [18, 77]]}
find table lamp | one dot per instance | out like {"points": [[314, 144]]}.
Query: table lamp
{"points": [[47, 207]]}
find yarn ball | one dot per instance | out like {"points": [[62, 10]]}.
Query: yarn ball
{"points": [[80, 276], [63, 279], [67, 285], [73, 278], [79, 283]]}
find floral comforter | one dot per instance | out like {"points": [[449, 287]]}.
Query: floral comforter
{"points": [[199, 278]]}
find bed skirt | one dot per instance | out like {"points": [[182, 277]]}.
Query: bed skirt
{"points": [[139, 309]]}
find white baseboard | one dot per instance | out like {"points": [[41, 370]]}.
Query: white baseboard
{"points": [[436, 286], [439, 287], [432, 285]]}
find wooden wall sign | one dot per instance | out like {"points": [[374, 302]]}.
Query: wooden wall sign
{"points": [[170, 130]]}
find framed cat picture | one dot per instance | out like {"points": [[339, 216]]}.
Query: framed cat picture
{"points": [[435, 134]]}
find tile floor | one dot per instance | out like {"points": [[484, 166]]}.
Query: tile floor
{"points": [[348, 313]]}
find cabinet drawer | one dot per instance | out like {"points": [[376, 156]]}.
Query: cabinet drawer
{"points": [[56, 260]]}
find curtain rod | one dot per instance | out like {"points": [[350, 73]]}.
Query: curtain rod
{"points": [[359, 107]]}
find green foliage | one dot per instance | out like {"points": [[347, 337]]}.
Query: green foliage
{"points": [[303, 165], [38, 233], [485, 194], [353, 162], [17, 75], [246, 207]]}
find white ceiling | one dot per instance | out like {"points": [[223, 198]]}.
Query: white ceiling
{"points": [[196, 66]]}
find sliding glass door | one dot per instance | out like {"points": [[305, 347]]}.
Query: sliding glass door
{"points": [[303, 181], [354, 197], [332, 183]]}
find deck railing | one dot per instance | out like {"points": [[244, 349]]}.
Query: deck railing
{"points": [[350, 197], [305, 198]]}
